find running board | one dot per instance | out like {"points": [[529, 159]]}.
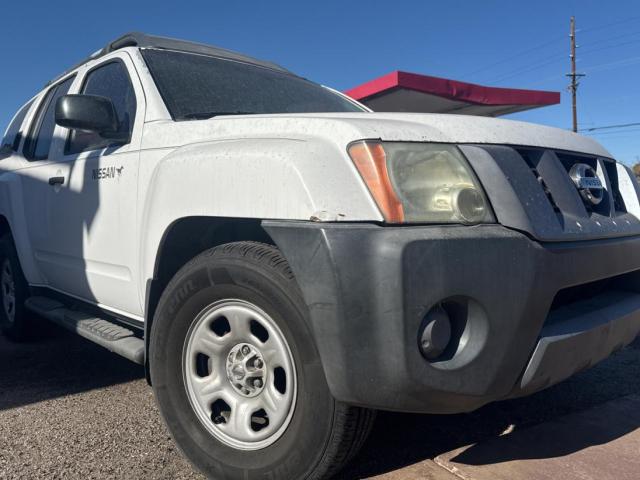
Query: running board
{"points": [[107, 334]]}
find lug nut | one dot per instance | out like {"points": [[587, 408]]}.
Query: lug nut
{"points": [[257, 383], [245, 350], [258, 363]]}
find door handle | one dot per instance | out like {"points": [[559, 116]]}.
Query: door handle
{"points": [[56, 181]]}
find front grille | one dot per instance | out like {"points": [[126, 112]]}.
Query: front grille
{"points": [[532, 157], [562, 194], [552, 195]]}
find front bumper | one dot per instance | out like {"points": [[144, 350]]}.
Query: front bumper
{"points": [[369, 287]]}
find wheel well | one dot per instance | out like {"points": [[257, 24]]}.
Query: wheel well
{"points": [[185, 239], [191, 236]]}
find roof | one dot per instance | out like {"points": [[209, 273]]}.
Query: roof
{"points": [[143, 40], [410, 92]]}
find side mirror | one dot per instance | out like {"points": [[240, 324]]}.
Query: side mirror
{"points": [[91, 113]]}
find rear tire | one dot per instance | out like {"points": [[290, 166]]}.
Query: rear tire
{"points": [[308, 435], [15, 322]]}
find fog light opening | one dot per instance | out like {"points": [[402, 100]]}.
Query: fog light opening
{"points": [[453, 333]]}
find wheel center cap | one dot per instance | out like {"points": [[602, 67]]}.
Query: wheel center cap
{"points": [[246, 370]]}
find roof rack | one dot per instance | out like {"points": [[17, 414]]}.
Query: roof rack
{"points": [[143, 40]]}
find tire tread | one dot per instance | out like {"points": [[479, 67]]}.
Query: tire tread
{"points": [[352, 426]]}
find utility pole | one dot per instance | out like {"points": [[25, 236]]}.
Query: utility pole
{"points": [[573, 86]]}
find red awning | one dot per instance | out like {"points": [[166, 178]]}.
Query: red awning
{"points": [[410, 92]]}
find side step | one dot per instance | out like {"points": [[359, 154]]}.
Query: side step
{"points": [[107, 334]]}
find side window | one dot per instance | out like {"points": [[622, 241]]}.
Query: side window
{"points": [[110, 80], [40, 135], [14, 132]]}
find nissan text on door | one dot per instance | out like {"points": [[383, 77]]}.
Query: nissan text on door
{"points": [[285, 262]]}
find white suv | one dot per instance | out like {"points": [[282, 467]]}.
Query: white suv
{"points": [[285, 261]]}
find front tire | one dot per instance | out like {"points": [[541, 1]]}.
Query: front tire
{"points": [[15, 322], [237, 376]]}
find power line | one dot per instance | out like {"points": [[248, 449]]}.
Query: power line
{"points": [[607, 127], [617, 22], [528, 68], [516, 55], [632, 137], [615, 133], [620, 37], [536, 66], [548, 61], [623, 62], [606, 47]]}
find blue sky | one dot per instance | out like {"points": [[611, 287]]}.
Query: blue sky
{"points": [[344, 43]]}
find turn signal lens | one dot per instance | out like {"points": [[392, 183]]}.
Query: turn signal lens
{"points": [[371, 161]]}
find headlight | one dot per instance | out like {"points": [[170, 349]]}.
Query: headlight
{"points": [[421, 182]]}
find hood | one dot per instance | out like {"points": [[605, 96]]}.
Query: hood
{"points": [[347, 127]]}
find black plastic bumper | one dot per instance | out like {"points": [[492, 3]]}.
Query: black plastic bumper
{"points": [[369, 287]]}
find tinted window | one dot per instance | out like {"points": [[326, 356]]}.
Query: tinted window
{"points": [[198, 86], [110, 80], [41, 133], [13, 134]]}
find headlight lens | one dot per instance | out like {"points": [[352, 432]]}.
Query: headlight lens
{"points": [[421, 182]]}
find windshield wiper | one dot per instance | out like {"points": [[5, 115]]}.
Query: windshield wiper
{"points": [[205, 115]]}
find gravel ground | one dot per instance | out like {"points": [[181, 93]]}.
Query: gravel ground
{"points": [[69, 409]]}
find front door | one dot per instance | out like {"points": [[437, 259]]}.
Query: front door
{"points": [[88, 246]]}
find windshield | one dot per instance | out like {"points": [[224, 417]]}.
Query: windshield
{"points": [[199, 86]]}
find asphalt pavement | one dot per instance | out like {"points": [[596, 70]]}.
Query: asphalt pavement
{"points": [[70, 409]]}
